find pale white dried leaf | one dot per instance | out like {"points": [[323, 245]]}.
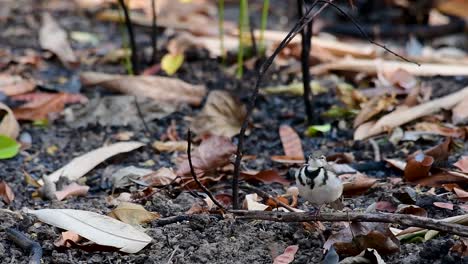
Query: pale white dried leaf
{"points": [[53, 38], [8, 125], [101, 229], [251, 203], [81, 165], [163, 89]]}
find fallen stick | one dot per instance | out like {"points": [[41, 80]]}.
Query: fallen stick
{"points": [[401, 219], [370, 66], [27, 244]]}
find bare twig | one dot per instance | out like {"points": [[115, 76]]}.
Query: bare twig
{"points": [[131, 36], [140, 115], [26, 243], [194, 175], [401, 219], [181, 218], [154, 32]]}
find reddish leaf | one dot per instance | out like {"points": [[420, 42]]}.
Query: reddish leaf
{"points": [[40, 111], [441, 152], [212, 153], [6, 192], [266, 176], [462, 164], [443, 178], [448, 206], [461, 194], [288, 255], [418, 167], [39, 98], [72, 189], [291, 141], [355, 184]]}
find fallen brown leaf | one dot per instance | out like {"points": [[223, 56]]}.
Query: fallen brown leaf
{"points": [[38, 98], [374, 107], [291, 141], [355, 184], [212, 153], [162, 176], [41, 111], [133, 214], [222, 115], [459, 113], [53, 38], [14, 84], [461, 194], [8, 124], [6, 192], [460, 248], [418, 167], [170, 146], [65, 238], [448, 206], [412, 210], [72, 189], [288, 255], [462, 164], [437, 129], [440, 152], [162, 89], [265, 176]]}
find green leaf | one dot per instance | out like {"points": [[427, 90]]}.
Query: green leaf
{"points": [[171, 63], [41, 122], [313, 130], [8, 147], [339, 112]]}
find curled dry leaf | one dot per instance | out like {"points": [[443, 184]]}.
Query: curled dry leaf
{"points": [[213, 152], [291, 141], [81, 165], [266, 176], [251, 203], [162, 176], [162, 89], [6, 192], [65, 237], [133, 214], [462, 164], [418, 167], [222, 115], [14, 84], [72, 189], [355, 184], [98, 228], [53, 38], [288, 255], [8, 125], [170, 146]]}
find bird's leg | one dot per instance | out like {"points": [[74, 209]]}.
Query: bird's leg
{"points": [[317, 212]]}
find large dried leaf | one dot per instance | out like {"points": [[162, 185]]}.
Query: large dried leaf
{"points": [[404, 115], [162, 89], [212, 153], [100, 229], [72, 189], [79, 166], [222, 115], [358, 183], [41, 109], [8, 124], [53, 38], [133, 214], [14, 84], [6, 192], [291, 141], [288, 255], [374, 107], [462, 164]]}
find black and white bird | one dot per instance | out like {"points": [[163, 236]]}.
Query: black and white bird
{"points": [[318, 183]]}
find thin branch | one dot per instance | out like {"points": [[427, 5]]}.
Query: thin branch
{"points": [[306, 36], [194, 175], [24, 242], [131, 36], [401, 219], [181, 218], [140, 115], [154, 32]]}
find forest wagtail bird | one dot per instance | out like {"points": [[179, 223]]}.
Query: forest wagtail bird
{"points": [[318, 183]]}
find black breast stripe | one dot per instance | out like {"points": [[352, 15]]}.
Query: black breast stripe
{"points": [[301, 171], [325, 177], [313, 174]]}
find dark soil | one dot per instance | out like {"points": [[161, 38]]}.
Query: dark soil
{"points": [[208, 239]]}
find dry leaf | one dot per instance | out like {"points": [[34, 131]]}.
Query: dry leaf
{"points": [[128, 175], [98, 228], [265, 176], [251, 203], [418, 167], [212, 153], [412, 210], [53, 38], [461, 194], [401, 78], [170, 146], [460, 248], [162, 89], [14, 84], [72, 189], [459, 113], [291, 141], [222, 115], [81, 165], [162, 176], [448, 206], [6, 192], [440, 129], [38, 98], [8, 125], [355, 184], [133, 214], [404, 115], [385, 206], [288, 159], [374, 107], [42, 110], [288, 255], [201, 207], [62, 241], [440, 152], [462, 164]]}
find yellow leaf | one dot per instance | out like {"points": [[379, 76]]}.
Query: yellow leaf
{"points": [[133, 214], [171, 63]]}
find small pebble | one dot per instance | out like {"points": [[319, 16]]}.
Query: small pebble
{"points": [[25, 138]]}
